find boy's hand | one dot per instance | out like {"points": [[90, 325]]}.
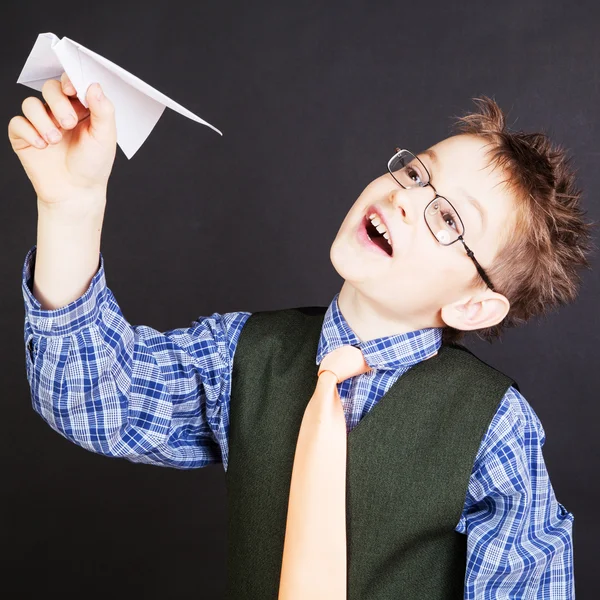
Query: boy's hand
{"points": [[77, 165]]}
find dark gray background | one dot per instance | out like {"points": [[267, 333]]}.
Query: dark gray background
{"points": [[311, 98]]}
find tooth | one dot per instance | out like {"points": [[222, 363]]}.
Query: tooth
{"points": [[381, 228]]}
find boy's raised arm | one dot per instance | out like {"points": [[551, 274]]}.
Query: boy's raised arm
{"points": [[130, 391], [110, 387]]}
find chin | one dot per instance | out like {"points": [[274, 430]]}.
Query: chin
{"points": [[347, 265], [355, 266]]}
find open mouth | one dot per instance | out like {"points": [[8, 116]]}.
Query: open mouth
{"points": [[377, 238]]}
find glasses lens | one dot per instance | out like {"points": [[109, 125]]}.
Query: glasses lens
{"points": [[408, 170], [443, 221]]}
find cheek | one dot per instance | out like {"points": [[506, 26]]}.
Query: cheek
{"points": [[376, 191], [432, 265], [453, 271], [358, 207]]}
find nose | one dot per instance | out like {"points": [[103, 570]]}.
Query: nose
{"points": [[400, 200]]}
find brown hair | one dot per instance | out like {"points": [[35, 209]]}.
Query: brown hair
{"points": [[537, 266]]}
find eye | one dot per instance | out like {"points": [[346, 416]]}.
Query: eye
{"points": [[414, 175], [450, 219]]}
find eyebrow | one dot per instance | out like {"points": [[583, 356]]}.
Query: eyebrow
{"points": [[431, 153]]}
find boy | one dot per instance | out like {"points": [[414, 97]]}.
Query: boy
{"points": [[448, 494]]}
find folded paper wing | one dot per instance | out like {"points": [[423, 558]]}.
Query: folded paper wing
{"points": [[138, 106]]}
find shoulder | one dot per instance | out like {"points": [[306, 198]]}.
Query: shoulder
{"points": [[510, 450], [514, 412], [293, 323], [210, 340], [514, 418], [505, 464], [290, 315], [218, 326]]}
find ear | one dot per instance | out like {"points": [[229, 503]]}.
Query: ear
{"points": [[476, 312]]}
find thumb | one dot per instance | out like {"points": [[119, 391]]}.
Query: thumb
{"points": [[102, 115]]}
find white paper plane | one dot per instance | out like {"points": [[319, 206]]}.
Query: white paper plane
{"points": [[138, 106]]}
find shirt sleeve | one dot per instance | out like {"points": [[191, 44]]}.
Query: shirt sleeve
{"points": [[519, 537], [130, 391]]}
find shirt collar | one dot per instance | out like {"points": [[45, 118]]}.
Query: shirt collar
{"points": [[389, 352]]}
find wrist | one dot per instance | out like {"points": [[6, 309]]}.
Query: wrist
{"points": [[87, 206]]}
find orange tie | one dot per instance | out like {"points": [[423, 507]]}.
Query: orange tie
{"points": [[314, 550]]}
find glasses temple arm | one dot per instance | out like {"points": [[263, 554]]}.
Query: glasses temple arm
{"points": [[477, 265]]}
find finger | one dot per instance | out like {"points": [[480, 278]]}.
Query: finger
{"points": [[102, 115], [59, 104], [41, 120], [23, 134], [67, 86], [80, 110], [69, 89]]}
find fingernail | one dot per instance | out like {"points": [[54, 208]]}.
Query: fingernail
{"points": [[67, 121], [53, 135], [99, 94], [39, 142]]}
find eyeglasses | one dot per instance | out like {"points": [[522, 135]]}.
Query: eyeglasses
{"points": [[441, 217]]}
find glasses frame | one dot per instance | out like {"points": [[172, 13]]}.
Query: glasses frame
{"points": [[470, 254]]}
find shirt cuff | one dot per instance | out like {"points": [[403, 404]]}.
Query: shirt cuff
{"points": [[66, 320]]}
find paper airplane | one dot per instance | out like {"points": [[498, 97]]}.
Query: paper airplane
{"points": [[138, 106]]}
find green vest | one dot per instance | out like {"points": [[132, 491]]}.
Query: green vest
{"points": [[408, 463]]}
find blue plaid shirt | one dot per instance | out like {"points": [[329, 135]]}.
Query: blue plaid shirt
{"points": [[163, 398]]}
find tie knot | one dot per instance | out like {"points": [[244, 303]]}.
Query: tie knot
{"points": [[345, 362]]}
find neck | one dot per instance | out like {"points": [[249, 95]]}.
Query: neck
{"points": [[370, 320]]}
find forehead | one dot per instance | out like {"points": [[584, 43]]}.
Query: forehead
{"points": [[464, 166], [465, 161]]}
